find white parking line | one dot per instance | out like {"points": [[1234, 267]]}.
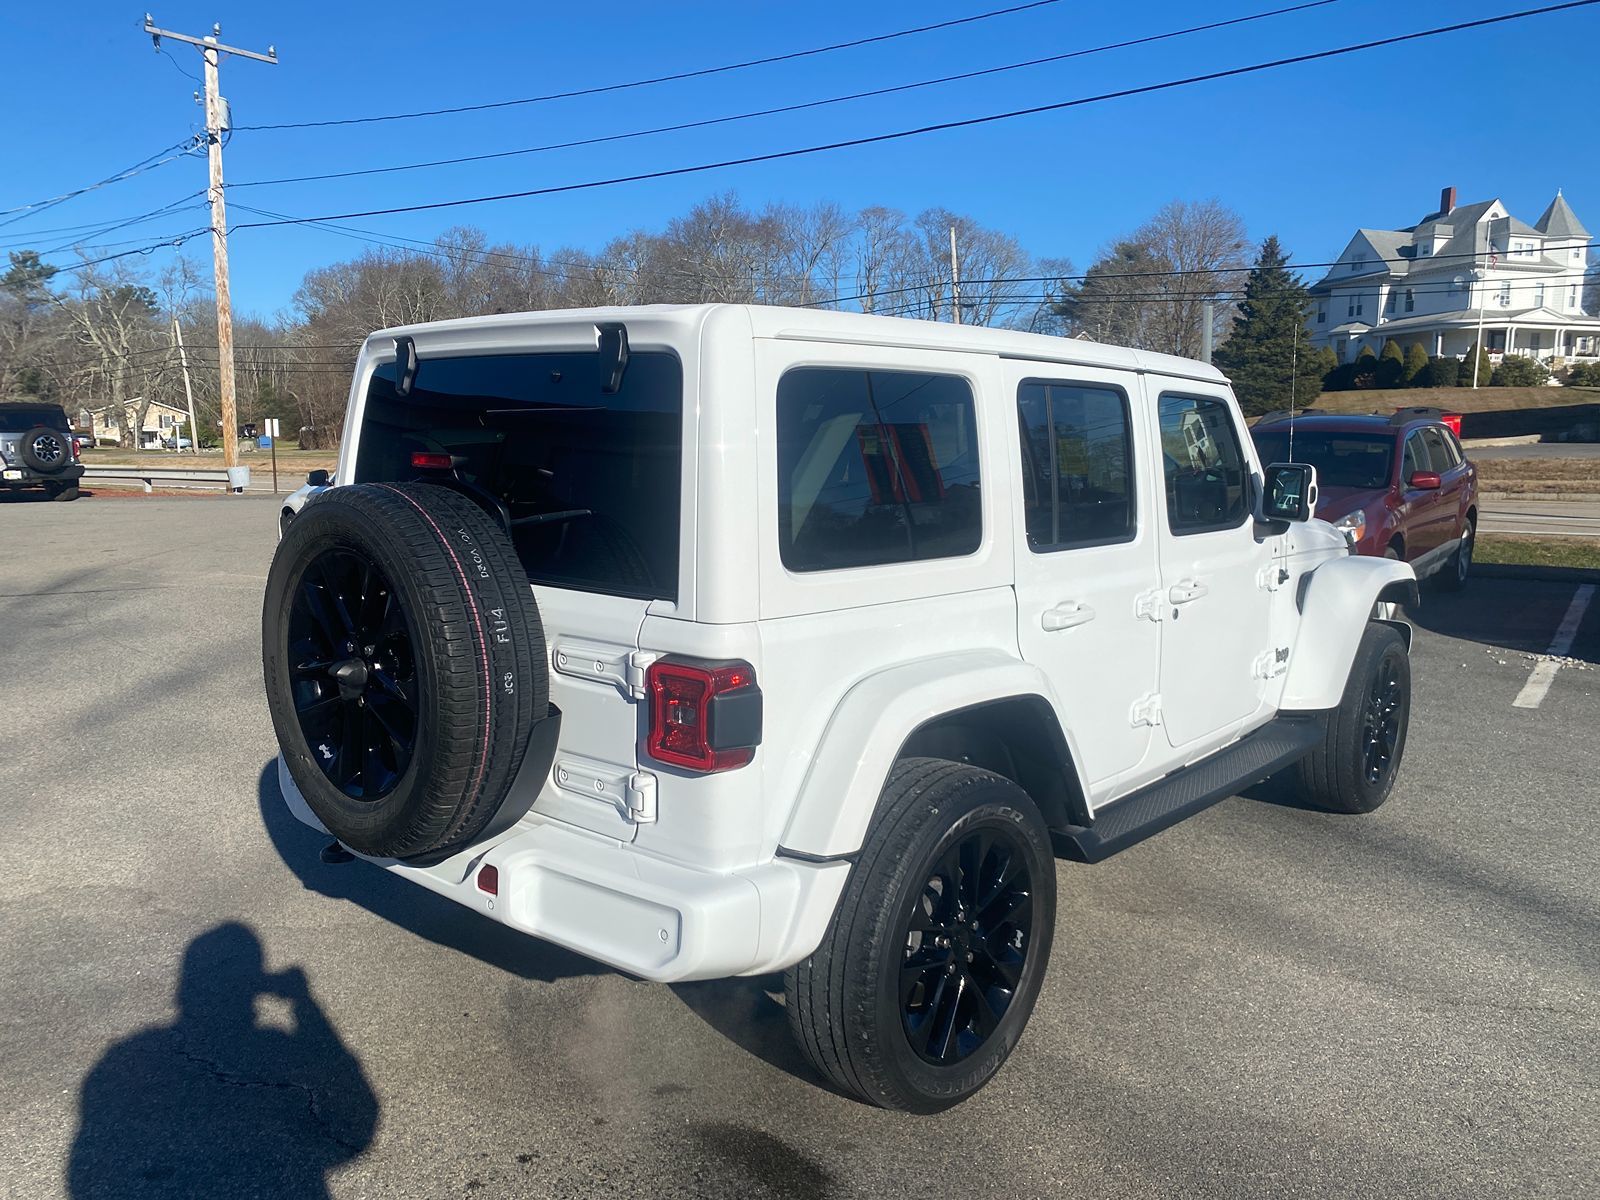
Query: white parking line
{"points": [[1544, 671]]}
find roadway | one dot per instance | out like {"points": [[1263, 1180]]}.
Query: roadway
{"points": [[1263, 1001]]}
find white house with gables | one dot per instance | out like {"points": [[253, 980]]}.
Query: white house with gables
{"points": [[1434, 282]]}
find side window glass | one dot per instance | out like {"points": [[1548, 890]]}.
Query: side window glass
{"points": [[875, 467], [1077, 465], [1204, 465], [1414, 460], [1457, 456], [1438, 451]]}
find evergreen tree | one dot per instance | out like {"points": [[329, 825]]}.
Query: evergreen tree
{"points": [[1441, 373], [1485, 368], [1416, 366], [1365, 374], [1315, 369], [1268, 336], [1391, 365]]}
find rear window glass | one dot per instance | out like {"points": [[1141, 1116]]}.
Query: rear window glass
{"points": [[875, 467], [589, 482], [18, 417], [1352, 460]]}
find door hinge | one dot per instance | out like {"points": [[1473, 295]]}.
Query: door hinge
{"points": [[631, 793], [1151, 605], [1271, 577], [605, 664], [1269, 664], [1146, 710]]}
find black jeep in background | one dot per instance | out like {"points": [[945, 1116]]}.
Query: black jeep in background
{"points": [[37, 450]]}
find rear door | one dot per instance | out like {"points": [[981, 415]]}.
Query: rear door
{"points": [[1088, 554], [1214, 596], [1453, 480], [590, 482]]}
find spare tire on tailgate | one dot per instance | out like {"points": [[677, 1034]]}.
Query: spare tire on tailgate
{"points": [[405, 665]]}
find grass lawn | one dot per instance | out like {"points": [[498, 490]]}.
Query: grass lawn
{"points": [[1540, 552], [1518, 476], [1461, 400]]}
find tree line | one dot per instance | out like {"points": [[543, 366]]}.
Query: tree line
{"points": [[98, 336]]}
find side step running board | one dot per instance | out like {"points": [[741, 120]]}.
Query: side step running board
{"points": [[1128, 821]]}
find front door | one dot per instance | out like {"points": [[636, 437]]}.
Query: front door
{"points": [[1214, 597], [1089, 551]]}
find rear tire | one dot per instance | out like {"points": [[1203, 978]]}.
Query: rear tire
{"points": [[1454, 576], [405, 665], [63, 492], [1354, 768], [932, 963]]}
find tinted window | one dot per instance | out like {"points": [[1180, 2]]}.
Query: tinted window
{"points": [[1438, 450], [1415, 458], [1353, 460], [1077, 465], [875, 467], [1204, 465], [589, 482], [21, 417]]}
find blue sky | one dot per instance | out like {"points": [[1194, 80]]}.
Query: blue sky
{"points": [[1307, 152]]}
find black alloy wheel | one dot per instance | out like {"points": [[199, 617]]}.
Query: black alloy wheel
{"points": [[968, 934], [353, 673], [1381, 721]]}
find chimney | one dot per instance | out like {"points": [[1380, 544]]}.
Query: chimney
{"points": [[1447, 201]]}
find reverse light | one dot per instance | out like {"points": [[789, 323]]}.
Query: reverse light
{"points": [[1353, 526], [704, 716]]}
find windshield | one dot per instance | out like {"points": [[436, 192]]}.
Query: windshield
{"points": [[1352, 460], [588, 482]]}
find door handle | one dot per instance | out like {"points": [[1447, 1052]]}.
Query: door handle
{"points": [[1065, 616], [1186, 590]]}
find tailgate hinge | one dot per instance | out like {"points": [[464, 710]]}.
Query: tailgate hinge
{"points": [[1151, 604], [1146, 710], [642, 798], [604, 664], [639, 663]]}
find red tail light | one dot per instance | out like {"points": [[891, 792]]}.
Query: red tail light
{"points": [[426, 460], [703, 716]]}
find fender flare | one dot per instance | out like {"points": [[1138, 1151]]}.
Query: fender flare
{"points": [[874, 720], [1335, 604]]}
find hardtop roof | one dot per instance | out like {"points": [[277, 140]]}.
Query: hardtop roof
{"points": [[806, 324]]}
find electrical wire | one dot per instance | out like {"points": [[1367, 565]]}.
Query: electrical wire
{"points": [[139, 168], [963, 123], [701, 73], [787, 108]]}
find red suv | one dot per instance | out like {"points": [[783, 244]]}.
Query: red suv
{"points": [[1398, 486]]}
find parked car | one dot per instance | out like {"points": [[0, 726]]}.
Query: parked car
{"points": [[37, 450], [1398, 486], [176, 443], [725, 640]]}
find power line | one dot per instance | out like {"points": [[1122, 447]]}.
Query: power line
{"points": [[968, 122], [149, 163], [701, 73], [789, 108]]}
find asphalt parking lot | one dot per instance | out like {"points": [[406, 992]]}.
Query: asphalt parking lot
{"points": [[1263, 1001]]}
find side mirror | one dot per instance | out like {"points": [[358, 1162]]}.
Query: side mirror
{"points": [[317, 478], [1291, 492], [1427, 481]]}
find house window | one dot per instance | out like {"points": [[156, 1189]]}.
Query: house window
{"points": [[1572, 296], [1358, 262], [1538, 295], [1411, 300], [1322, 312], [1577, 253], [1505, 294], [1389, 305]]}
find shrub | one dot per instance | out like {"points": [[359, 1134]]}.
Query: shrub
{"points": [[1485, 368], [1416, 365], [1583, 375], [1516, 371], [1391, 365], [1440, 372]]}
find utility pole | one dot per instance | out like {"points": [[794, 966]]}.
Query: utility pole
{"points": [[183, 358], [955, 276], [217, 123], [1477, 348], [1208, 329]]}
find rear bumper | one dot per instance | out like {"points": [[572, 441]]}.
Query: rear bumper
{"points": [[31, 478], [647, 916]]}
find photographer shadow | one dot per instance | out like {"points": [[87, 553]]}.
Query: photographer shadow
{"points": [[221, 1103]]}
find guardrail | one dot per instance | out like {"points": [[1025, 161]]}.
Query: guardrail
{"points": [[178, 477]]}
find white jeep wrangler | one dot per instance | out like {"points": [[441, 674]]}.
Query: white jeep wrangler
{"points": [[840, 629]]}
